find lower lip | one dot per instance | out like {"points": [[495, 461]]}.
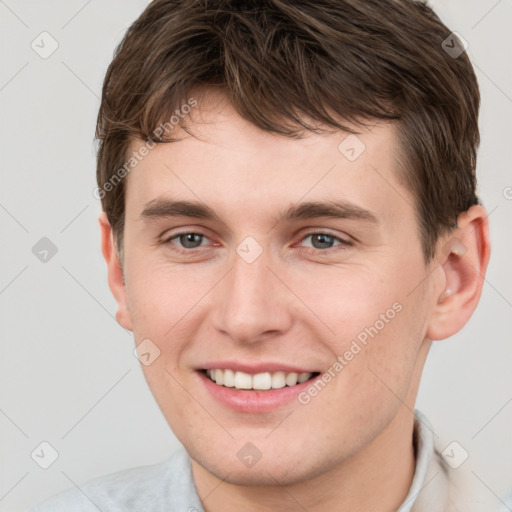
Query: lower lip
{"points": [[254, 401]]}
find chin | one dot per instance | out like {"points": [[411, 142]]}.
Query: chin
{"points": [[266, 472]]}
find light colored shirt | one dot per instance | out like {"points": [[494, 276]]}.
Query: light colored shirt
{"points": [[440, 484]]}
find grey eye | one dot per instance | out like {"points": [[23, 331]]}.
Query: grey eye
{"points": [[190, 240], [322, 241]]}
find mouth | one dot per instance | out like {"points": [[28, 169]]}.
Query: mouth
{"points": [[264, 381]]}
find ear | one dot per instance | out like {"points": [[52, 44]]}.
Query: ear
{"points": [[463, 258], [115, 272]]}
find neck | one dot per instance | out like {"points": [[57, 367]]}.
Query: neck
{"points": [[376, 478]]}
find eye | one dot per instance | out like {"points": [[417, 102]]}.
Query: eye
{"points": [[323, 241], [188, 240]]}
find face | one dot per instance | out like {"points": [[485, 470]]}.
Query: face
{"points": [[262, 261]]}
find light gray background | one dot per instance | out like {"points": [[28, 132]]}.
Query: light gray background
{"points": [[68, 374]]}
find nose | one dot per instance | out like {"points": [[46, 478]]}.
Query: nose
{"points": [[251, 302]]}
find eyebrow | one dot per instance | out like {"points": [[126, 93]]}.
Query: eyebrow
{"points": [[166, 208]]}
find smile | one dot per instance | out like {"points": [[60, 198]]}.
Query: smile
{"points": [[259, 381]]}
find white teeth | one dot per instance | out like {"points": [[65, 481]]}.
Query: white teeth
{"points": [[259, 381], [242, 380], [219, 376], [303, 377], [278, 380], [291, 379], [262, 381], [228, 378]]}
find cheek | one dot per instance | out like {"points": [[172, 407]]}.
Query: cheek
{"points": [[160, 297], [382, 374], [349, 301], [378, 326]]}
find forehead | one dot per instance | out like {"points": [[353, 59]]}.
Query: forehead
{"points": [[236, 168]]}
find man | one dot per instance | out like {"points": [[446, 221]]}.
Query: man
{"points": [[290, 220]]}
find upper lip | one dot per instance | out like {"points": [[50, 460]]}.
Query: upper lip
{"points": [[253, 368]]}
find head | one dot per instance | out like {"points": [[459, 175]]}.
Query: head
{"points": [[329, 149]]}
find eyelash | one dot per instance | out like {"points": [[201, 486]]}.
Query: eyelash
{"points": [[343, 244]]}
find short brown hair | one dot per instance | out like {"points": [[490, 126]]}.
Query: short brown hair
{"points": [[281, 62]]}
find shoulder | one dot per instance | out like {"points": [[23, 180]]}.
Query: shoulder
{"points": [[157, 487], [466, 491], [445, 479]]}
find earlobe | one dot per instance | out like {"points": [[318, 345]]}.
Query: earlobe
{"points": [[115, 272], [463, 258]]}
